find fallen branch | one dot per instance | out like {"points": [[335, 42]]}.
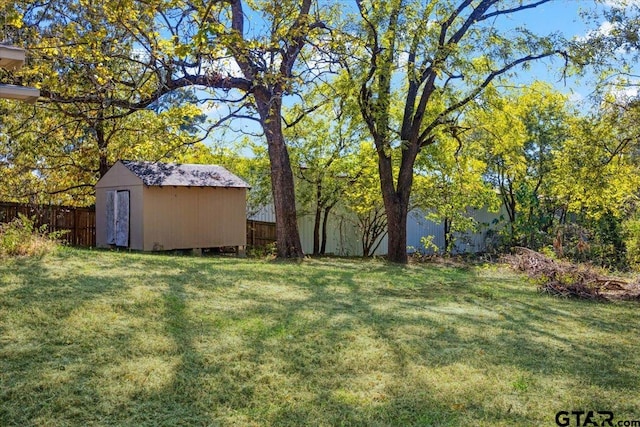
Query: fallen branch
{"points": [[564, 279]]}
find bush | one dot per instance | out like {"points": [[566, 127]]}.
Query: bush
{"points": [[631, 230], [21, 237], [267, 251], [599, 242]]}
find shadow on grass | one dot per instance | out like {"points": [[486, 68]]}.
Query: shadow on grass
{"points": [[189, 341]]}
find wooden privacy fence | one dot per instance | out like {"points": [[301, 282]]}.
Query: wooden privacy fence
{"points": [[79, 223], [260, 233]]}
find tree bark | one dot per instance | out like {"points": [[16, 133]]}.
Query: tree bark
{"points": [[447, 236], [396, 199], [396, 211], [323, 246], [282, 186], [103, 161], [316, 222]]}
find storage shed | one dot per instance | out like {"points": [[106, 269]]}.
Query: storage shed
{"points": [[163, 206]]}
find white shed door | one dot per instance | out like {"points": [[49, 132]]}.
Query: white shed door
{"points": [[118, 218], [122, 218], [111, 217]]}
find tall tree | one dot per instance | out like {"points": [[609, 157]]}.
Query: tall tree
{"points": [[99, 101], [442, 54], [251, 55], [363, 198], [51, 157], [322, 143], [519, 133], [450, 185], [597, 170]]}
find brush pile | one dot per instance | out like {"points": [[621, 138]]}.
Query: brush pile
{"points": [[564, 279]]}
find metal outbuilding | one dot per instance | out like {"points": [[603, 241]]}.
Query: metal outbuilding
{"points": [[153, 206]]}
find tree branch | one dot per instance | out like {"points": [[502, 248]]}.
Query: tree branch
{"points": [[423, 139]]}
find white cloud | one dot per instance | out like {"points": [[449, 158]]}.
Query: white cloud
{"points": [[622, 3], [625, 93], [606, 28]]}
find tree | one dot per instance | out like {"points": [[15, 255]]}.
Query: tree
{"points": [[612, 51], [443, 55], [143, 50], [519, 133], [596, 169], [323, 142], [57, 158], [362, 197], [99, 100], [450, 184], [596, 177], [267, 65]]}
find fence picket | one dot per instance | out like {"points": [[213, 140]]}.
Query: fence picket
{"points": [[80, 223], [57, 218]]}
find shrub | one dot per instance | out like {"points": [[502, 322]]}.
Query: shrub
{"points": [[21, 237], [631, 229], [267, 251]]}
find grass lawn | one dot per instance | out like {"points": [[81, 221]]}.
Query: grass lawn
{"points": [[107, 338]]}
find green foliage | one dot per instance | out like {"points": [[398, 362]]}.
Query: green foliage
{"points": [[520, 134], [595, 171], [58, 157], [268, 251], [428, 245], [596, 180], [631, 234], [21, 237], [362, 197], [449, 186]]}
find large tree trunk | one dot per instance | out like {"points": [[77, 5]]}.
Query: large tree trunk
{"points": [[396, 212], [396, 200], [284, 201]]}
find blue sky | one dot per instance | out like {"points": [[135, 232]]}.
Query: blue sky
{"points": [[564, 16], [557, 16]]}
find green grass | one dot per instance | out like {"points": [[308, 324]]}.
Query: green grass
{"points": [[107, 338]]}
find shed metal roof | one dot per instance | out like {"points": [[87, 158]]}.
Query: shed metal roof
{"points": [[183, 175]]}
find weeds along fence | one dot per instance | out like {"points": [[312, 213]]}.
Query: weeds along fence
{"points": [[79, 224]]}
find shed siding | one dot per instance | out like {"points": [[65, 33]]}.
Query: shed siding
{"points": [[194, 217], [469, 242], [118, 176]]}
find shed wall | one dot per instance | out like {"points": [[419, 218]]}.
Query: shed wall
{"points": [[135, 215], [194, 217], [120, 178], [344, 238], [470, 242]]}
